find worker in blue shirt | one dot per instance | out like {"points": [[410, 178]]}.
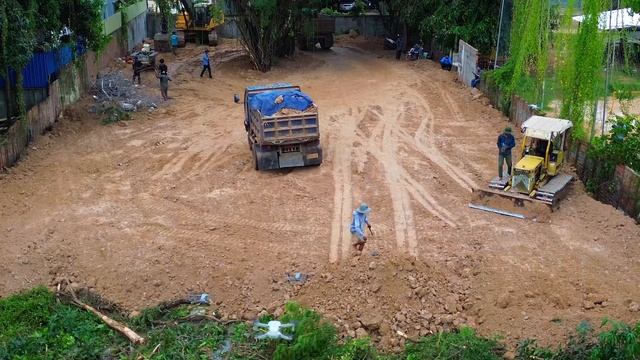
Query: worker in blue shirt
{"points": [[360, 219], [505, 143], [174, 42], [206, 63]]}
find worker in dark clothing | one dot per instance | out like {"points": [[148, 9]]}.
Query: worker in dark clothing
{"points": [[162, 68], [505, 143], [399, 47], [137, 69], [163, 76], [206, 63]]}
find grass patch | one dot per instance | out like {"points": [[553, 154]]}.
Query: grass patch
{"points": [[36, 325]]}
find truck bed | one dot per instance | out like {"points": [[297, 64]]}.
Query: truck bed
{"points": [[284, 129]]}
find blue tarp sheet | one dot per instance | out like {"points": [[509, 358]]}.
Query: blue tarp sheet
{"points": [[292, 99]]}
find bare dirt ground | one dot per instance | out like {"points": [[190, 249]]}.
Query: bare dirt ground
{"points": [[166, 204]]}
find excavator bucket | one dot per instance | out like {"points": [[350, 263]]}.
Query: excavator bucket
{"points": [[499, 199]]}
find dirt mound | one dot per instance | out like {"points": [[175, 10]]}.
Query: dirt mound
{"points": [[391, 298]]}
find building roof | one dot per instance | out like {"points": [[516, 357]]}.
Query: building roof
{"points": [[616, 19], [546, 128]]}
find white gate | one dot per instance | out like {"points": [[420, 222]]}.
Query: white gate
{"points": [[468, 61]]}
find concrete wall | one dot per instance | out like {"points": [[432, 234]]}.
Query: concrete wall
{"points": [[229, 29], [95, 62], [368, 26], [136, 31]]}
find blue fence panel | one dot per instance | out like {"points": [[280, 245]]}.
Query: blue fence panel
{"points": [[42, 65], [65, 55]]}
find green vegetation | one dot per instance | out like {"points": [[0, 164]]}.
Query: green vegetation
{"points": [[463, 345], [28, 25], [618, 341], [620, 146], [448, 21], [36, 324]]}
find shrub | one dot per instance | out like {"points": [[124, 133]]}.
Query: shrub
{"points": [[463, 345]]}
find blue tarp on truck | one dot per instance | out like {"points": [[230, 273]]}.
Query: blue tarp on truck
{"points": [[268, 105]]}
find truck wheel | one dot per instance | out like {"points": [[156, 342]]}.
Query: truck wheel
{"points": [[255, 160], [327, 42]]}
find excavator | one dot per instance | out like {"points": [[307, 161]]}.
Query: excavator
{"points": [[195, 21], [537, 175]]}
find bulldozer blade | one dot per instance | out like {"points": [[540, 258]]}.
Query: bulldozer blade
{"points": [[496, 211], [508, 203]]}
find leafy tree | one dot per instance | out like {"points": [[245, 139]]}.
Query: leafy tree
{"points": [[264, 24], [474, 21]]}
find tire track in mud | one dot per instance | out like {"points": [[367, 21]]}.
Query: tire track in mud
{"points": [[455, 172], [400, 200], [383, 144], [421, 142], [342, 197]]}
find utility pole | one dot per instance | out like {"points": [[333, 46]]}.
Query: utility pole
{"points": [[495, 62], [610, 58]]}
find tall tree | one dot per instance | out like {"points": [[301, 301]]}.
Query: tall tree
{"points": [[474, 21], [263, 25]]}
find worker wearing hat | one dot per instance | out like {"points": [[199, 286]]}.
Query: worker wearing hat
{"points": [[505, 143], [360, 219]]}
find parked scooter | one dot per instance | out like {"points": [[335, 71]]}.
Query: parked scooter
{"points": [[416, 52]]}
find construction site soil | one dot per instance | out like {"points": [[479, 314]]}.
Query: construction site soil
{"points": [[168, 204]]}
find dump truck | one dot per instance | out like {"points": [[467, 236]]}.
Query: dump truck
{"points": [[282, 125], [537, 176], [316, 30]]}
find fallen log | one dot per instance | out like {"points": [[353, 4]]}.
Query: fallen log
{"points": [[115, 325]]}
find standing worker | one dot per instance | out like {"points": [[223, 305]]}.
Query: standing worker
{"points": [[399, 47], [505, 143], [206, 63], [163, 75], [360, 218], [137, 69], [174, 42], [162, 68]]}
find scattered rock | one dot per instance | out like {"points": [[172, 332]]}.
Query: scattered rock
{"points": [[596, 298], [634, 307], [127, 107], [361, 332], [371, 321], [157, 283], [504, 301], [588, 305]]}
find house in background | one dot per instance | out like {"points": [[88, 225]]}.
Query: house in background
{"points": [[620, 22]]}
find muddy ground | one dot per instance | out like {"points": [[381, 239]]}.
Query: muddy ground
{"points": [[168, 204]]}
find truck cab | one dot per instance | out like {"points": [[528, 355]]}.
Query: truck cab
{"points": [[282, 131]]}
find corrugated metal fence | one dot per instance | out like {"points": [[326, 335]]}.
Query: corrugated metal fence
{"points": [[622, 187], [61, 92]]}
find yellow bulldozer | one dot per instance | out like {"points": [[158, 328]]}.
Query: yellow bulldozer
{"points": [[537, 175], [196, 21]]}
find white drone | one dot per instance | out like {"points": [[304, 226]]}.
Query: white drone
{"points": [[273, 331]]}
